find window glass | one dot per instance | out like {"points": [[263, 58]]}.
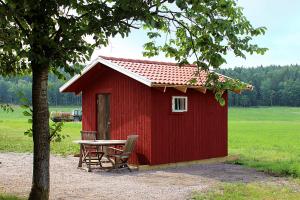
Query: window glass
{"points": [[179, 104]]}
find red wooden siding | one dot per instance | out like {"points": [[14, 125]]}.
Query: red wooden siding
{"points": [[164, 137], [130, 108], [199, 133]]}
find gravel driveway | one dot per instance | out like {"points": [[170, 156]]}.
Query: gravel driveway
{"points": [[68, 182]]}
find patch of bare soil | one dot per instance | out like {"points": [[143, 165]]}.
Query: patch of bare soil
{"points": [[68, 182]]}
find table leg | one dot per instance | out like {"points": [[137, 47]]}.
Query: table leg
{"points": [[80, 156]]}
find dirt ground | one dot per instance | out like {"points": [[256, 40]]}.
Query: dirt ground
{"points": [[68, 182]]}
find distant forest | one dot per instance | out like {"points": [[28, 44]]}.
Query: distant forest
{"points": [[273, 86], [11, 88]]}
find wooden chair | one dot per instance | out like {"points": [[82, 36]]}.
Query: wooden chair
{"points": [[92, 155], [119, 157]]}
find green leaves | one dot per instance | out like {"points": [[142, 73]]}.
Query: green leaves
{"points": [[54, 128], [28, 132], [216, 60], [153, 35], [56, 132], [27, 114], [25, 104], [151, 49], [181, 4], [206, 31], [6, 108], [219, 98], [219, 84]]}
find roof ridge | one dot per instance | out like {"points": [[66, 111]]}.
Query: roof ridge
{"points": [[143, 61]]}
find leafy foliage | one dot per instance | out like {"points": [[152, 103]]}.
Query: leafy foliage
{"points": [[221, 86], [55, 127], [202, 30], [6, 108], [55, 132], [27, 112]]}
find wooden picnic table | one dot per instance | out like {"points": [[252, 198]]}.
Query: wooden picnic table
{"points": [[96, 143]]}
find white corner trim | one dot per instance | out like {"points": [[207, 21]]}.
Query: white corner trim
{"points": [[111, 65]]}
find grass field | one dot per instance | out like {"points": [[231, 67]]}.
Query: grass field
{"points": [[265, 138], [13, 125]]}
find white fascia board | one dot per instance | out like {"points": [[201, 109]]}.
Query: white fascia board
{"points": [[68, 83], [126, 72], [111, 65], [77, 76]]}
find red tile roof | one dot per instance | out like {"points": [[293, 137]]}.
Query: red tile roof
{"points": [[150, 73], [162, 72]]}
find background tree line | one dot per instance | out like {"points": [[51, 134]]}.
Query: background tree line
{"points": [[273, 86], [11, 88]]}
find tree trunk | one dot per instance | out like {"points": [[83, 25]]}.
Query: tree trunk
{"points": [[40, 127]]}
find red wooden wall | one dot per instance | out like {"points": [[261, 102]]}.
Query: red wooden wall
{"points": [[199, 133], [130, 108], [164, 137]]}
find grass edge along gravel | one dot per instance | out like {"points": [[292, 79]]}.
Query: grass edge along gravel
{"points": [[245, 191], [4, 196]]}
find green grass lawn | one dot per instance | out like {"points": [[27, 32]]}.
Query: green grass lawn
{"points": [[265, 138], [13, 125], [239, 191]]}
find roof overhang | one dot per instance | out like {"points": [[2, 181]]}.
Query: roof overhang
{"points": [[109, 64], [181, 88]]}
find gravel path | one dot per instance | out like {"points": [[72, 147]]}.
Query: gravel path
{"points": [[68, 182]]}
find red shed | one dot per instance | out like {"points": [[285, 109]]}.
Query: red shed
{"points": [[176, 121]]}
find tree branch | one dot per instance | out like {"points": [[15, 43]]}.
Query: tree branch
{"points": [[173, 20]]}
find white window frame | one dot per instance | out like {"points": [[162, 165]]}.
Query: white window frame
{"points": [[179, 97]]}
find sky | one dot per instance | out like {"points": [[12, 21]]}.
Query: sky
{"points": [[281, 18]]}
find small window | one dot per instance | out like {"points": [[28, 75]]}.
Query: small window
{"points": [[179, 104]]}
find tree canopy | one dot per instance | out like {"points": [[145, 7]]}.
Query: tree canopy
{"points": [[204, 30]]}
